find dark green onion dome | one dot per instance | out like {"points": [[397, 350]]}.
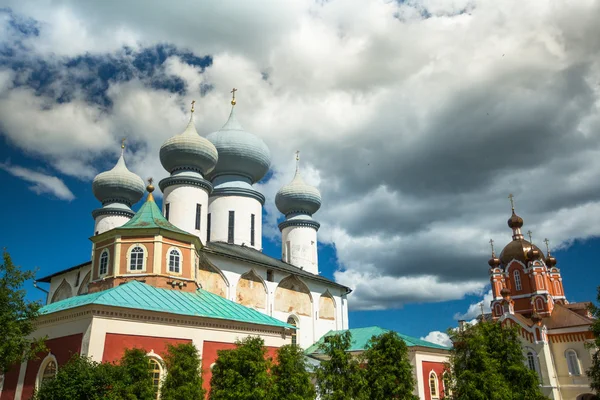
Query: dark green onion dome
{"points": [[119, 185], [298, 197], [241, 153], [188, 151]]}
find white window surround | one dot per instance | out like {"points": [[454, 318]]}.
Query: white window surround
{"points": [[517, 275], [155, 358], [144, 257], [40, 375], [434, 389], [446, 378], [295, 321], [532, 361], [180, 261], [103, 262], [573, 362]]}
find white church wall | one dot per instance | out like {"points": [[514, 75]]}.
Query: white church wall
{"points": [[182, 200], [299, 247], [73, 278], [244, 207], [107, 222]]}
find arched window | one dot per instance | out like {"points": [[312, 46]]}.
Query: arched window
{"points": [[103, 270], [136, 259], [292, 321], [156, 371], [447, 384], [433, 386], [532, 362], [539, 304], [175, 261], [573, 362], [556, 288], [517, 276], [47, 370]]}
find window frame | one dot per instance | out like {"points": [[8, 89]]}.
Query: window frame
{"points": [[293, 320], [162, 371], [198, 221], [208, 225], [144, 258], [231, 227], [572, 352], [167, 211], [434, 390], [252, 229], [50, 358], [102, 254], [517, 279], [168, 261], [447, 387]]}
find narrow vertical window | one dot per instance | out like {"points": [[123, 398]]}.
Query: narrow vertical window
{"points": [[103, 263], [270, 275], [292, 321], [136, 260], [517, 275], [208, 227], [251, 229], [230, 227], [174, 261], [433, 386], [198, 213], [573, 363], [156, 374], [167, 209]]}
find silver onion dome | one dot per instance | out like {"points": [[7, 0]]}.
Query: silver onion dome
{"points": [[118, 185], [298, 197]]}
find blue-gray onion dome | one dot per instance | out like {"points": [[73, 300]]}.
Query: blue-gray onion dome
{"points": [[298, 197], [240, 152], [118, 185], [188, 151]]}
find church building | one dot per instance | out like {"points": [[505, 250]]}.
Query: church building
{"points": [[528, 292]]}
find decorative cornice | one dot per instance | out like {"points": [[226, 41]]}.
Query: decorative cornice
{"points": [[298, 212], [185, 180], [301, 222], [112, 211], [119, 200], [229, 191]]}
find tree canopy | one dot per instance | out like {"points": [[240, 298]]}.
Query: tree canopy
{"points": [[291, 380], [339, 377], [17, 316], [241, 373], [388, 372], [487, 363], [184, 374], [134, 377], [594, 372]]}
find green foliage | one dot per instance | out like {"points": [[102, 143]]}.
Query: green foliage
{"points": [[339, 377], [16, 317], [241, 373], [79, 379], [487, 363], [184, 374], [388, 372], [291, 380], [134, 379], [594, 372]]}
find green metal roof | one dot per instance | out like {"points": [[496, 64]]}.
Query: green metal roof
{"points": [[361, 337], [140, 296], [149, 216]]}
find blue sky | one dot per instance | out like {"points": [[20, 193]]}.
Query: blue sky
{"points": [[414, 119]]}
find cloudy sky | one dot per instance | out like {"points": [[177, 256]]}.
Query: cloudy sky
{"points": [[415, 119]]}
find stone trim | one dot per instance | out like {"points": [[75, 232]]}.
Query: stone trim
{"points": [[229, 191], [112, 211], [185, 180], [302, 222]]}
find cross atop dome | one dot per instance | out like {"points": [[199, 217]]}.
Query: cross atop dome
{"points": [[233, 102]]}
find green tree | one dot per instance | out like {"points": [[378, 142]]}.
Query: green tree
{"points": [[487, 363], [339, 376], [79, 379], [184, 374], [388, 372], [291, 380], [241, 373], [16, 317], [134, 378], [594, 372]]}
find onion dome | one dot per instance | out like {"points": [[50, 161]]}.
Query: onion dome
{"points": [[188, 151], [119, 185], [520, 250], [240, 152], [298, 196], [515, 221], [505, 292], [550, 261], [494, 261]]}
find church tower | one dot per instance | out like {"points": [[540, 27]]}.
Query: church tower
{"points": [[235, 207], [523, 280], [298, 201], [117, 190], [188, 157]]}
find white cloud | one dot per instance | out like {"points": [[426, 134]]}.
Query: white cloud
{"points": [[42, 183], [438, 337], [475, 309]]}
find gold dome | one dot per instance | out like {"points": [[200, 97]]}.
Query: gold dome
{"points": [[519, 250], [515, 221]]}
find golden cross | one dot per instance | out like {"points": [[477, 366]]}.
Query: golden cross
{"points": [[233, 96], [193, 102], [547, 245], [512, 201], [123, 143], [529, 234], [492, 244]]}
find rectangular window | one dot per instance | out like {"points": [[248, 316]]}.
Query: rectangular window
{"points": [[208, 228], [198, 211], [251, 229], [167, 207], [230, 227], [270, 277]]}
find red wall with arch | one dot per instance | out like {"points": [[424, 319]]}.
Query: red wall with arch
{"points": [[439, 369]]}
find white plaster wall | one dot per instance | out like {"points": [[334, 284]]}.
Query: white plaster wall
{"points": [[302, 247], [219, 208], [71, 278], [107, 222], [182, 209]]}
